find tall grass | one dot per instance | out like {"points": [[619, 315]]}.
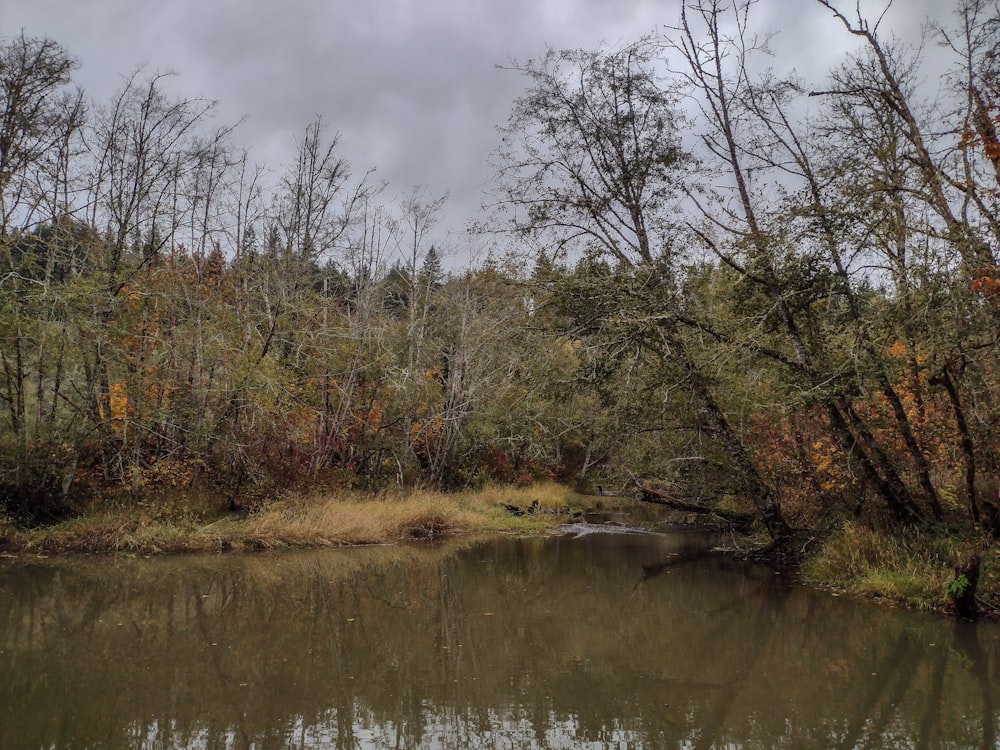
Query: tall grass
{"points": [[911, 566], [320, 520]]}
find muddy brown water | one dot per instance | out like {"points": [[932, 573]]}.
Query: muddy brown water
{"points": [[587, 640]]}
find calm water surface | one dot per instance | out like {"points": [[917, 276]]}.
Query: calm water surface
{"points": [[590, 641]]}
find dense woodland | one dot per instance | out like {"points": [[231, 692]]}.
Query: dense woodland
{"points": [[707, 275]]}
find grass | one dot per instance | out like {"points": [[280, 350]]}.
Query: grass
{"points": [[912, 567], [303, 521]]}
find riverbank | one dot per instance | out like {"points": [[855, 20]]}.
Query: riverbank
{"points": [[911, 568], [322, 520]]}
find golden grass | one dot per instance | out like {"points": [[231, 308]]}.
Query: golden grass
{"points": [[415, 514], [306, 521]]}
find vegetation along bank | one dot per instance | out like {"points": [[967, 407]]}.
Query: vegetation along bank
{"points": [[760, 294]]}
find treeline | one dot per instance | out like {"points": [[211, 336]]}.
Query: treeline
{"points": [[745, 287], [170, 322]]}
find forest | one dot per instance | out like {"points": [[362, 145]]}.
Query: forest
{"points": [[706, 276]]}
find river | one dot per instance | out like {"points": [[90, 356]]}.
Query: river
{"points": [[585, 640]]}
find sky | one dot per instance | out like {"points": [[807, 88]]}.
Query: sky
{"points": [[412, 86]]}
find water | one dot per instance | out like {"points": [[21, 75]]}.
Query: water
{"points": [[591, 640]]}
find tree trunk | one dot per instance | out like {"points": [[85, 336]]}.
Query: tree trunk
{"points": [[963, 589], [968, 451], [762, 496], [657, 497]]}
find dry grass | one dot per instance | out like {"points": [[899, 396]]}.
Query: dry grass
{"points": [[305, 521], [351, 520], [105, 531], [417, 514]]}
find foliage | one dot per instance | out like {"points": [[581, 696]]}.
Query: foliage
{"points": [[748, 306], [957, 588]]}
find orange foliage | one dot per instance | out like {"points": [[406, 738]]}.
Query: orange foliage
{"points": [[984, 134], [797, 458], [118, 402], [368, 420], [988, 282], [425, 437]]}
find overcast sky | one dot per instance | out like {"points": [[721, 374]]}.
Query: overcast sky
{"points": [[411, 85]]}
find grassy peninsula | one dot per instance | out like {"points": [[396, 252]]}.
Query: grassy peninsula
{"points": [[303, 520]]}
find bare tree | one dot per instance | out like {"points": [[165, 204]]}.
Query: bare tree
{"points": [[40, 117], [38, 114], [143, 145], [748, 131], [419, 215], [938, 184]]}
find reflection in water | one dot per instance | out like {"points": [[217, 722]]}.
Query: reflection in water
{"points": [[598, 641]]}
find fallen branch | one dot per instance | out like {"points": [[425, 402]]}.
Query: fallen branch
{"points": [[659, 497]]}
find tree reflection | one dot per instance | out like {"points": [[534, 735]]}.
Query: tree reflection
{"points": [[531, 643]]}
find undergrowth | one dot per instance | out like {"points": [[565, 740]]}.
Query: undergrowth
{"points": [[913, 567]]}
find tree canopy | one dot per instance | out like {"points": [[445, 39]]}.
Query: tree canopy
{"points": [[753, 291]]}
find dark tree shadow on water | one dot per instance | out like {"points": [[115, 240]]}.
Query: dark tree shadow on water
{"points": [[933, 713], [772, 601], [883, 695], [967, 642]]}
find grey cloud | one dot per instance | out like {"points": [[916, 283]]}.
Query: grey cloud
{"points": [[411, 86]]}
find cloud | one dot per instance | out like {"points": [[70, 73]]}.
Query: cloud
{"points": [[412, 87]]}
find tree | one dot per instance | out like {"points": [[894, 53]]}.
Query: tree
{"points": [[752, 228], [431, 274], [916, 207], [40, 117], [591, 154], [936, 182], [419, 214], [39, 114], [591, 162], [143, 146]]}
